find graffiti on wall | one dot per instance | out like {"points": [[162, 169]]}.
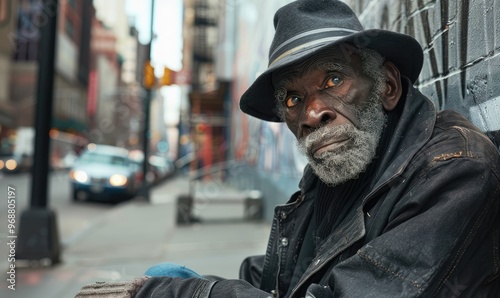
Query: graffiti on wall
{"points": [[461, 43]]}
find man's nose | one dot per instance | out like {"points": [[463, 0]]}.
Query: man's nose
{"points": [[317, 113]]}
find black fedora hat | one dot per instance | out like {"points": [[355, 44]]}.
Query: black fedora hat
{"points": [[305, 27]]}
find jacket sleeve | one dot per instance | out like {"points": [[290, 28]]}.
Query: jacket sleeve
{"points": [[440, 239], [214, 287], [161, 287]]}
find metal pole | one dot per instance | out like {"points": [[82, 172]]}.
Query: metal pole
{"points": [[38, 234], [147, 111], [44, 102]]}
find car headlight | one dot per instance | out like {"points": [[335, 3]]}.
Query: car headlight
{"points": [[117, 180], [79, 176], [11, 164]]}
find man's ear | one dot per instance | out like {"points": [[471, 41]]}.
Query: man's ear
{"points": [[393, 87]]}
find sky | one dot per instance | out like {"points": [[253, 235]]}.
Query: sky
{"points": [[167, 45]]}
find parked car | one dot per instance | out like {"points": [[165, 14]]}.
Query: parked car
{"points": [[65, 162], [15, 163], [159, 167], [103, 172]]}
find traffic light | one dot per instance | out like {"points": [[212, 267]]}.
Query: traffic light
{"points": [[168, 77], [149, 79]]}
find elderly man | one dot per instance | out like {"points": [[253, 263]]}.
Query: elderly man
{"points": [[397, 200]]}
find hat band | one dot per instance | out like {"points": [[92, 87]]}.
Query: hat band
{"points": [[309, 38]]}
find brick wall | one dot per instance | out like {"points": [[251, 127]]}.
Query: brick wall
{"points": [[461, 42]]}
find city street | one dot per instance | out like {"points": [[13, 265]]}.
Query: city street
{"points": [[73, 217], [122, 241]]}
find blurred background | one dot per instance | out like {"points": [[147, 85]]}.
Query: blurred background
{"points": [[122, 81]]}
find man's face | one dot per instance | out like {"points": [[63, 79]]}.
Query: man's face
{"points": [[333, 109]]}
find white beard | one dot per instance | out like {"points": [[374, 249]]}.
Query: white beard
{"points": [[352, 158]]}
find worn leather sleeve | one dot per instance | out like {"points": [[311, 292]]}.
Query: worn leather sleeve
{"points": [[161, 287], [237, 288]]}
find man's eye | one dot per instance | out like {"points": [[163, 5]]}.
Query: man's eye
{"points": [[333, 82], [291, 101]]}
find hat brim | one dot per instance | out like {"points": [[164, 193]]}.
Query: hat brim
{"points": [[401, 49]]}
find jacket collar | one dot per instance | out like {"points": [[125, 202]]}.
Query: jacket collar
{"points": [[408, 138]]}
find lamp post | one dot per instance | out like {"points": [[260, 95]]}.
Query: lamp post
{"points": [[38, 236], [147, 109]]}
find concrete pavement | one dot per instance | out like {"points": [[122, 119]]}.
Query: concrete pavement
{"points": [[136, 235]]}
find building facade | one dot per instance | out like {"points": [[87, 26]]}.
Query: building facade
{"points": [[71, 71], [203, 130], [8, 23], [97, 97]]}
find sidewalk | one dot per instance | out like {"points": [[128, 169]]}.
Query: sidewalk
{"points": [[136, 235]]}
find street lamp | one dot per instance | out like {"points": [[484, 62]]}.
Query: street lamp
{"points": [[38, 236]]}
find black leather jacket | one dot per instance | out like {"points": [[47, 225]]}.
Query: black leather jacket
{"points": [[429, 227]]}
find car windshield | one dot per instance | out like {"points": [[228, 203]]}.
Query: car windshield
{"points": [[93, 157]]}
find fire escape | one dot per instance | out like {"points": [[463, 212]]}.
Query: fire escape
{"points": [[207, 95]]}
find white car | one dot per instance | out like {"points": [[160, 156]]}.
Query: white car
{"points": [[103, 172]]}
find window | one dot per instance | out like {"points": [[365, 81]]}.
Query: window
{"points": [[26, 37]]}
